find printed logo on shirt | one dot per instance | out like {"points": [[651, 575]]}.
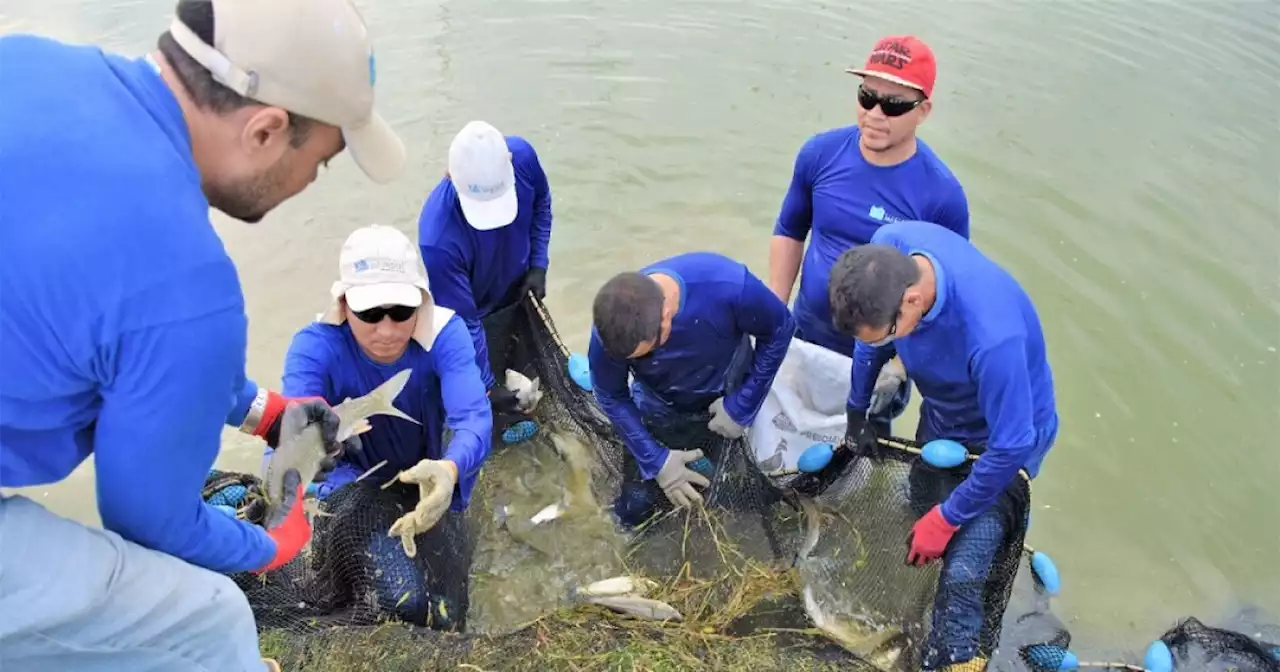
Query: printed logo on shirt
{"points": [[878, 213]]}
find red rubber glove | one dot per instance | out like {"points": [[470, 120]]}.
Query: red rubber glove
{"points": [[290, 536], [929, 537]]}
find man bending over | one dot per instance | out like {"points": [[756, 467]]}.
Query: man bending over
{"points": [[681, 328], [970, 338]]}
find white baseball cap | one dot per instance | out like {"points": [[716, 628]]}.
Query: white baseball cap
{"points": [[380, 266], [310, 57], [483, 175]]}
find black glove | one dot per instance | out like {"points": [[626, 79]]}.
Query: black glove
{"points": [[535, 281], [319, 412], [502, 399], [860, 436]]}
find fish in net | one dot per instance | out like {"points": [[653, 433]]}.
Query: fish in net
{"points": [[730, 568]]}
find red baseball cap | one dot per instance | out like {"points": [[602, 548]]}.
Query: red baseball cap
{"points": [[902, 59]]}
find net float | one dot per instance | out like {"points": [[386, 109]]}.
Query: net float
{"points": [[944, 453], [580, 370], [815, 458]]}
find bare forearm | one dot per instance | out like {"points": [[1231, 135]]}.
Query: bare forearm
{"points": [[784, 265]]}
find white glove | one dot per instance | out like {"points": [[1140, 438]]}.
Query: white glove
{"points": [[721, 423], [435, 479], [677, 480], [892, 376]]}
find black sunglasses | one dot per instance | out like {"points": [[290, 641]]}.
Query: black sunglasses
{"points": [[396, 313], [892, 106]]}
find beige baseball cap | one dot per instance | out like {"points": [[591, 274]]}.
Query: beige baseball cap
{"points": [[310, 57]]}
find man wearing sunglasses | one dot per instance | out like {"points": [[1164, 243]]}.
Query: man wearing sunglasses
{"points": [[850, 181], [383, 320], [122, 324], [484, 233], [971, 339]]}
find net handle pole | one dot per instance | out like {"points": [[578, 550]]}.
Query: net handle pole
{"points": [[542, 311]]}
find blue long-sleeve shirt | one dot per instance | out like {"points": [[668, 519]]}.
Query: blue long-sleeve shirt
{"points": [[444, 390], [122, 325], [841, 199], [720, 302], [477, 272], [978, 358]]}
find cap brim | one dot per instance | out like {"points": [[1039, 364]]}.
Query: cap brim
{"points": [[886, 77], [376, 148], [365, 297], [494, 213]]}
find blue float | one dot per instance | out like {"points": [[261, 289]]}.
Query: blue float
{"points": [[520, 432], [1046, 571], [815, 458], [1159, 658], [1051, 657], [580, 370], [944, 453]]}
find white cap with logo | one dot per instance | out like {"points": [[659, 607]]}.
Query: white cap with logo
{"points": [[310, 57], [380, 266], [483, 175]]}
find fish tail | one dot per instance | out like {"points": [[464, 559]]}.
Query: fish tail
{"points": [[387, 392]]}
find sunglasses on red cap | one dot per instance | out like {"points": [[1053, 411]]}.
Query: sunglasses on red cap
{"points": [[374, 315], [892, 106]]}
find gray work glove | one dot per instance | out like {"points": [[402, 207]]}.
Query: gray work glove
{"points": [[677, 480], [435, 480], [721, 423], [892, 376]]}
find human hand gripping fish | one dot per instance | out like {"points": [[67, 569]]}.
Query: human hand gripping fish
{"points": [[301, 448]]}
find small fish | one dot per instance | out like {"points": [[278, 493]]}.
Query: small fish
{"points": [[640, 607], [301, 448], [618, 586], [878, 646], [813, 528], [528, 392], [550, 512]]}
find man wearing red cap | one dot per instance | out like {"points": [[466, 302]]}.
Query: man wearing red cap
{"points": [[850, 181]]}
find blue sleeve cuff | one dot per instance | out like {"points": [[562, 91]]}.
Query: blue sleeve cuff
{"points": [[242, 400]]}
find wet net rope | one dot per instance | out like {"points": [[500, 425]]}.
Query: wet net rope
{"points": [[747, 573]]}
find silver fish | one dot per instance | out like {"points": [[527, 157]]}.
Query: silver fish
{"points": [[879, 646], [549, 512], [301, 448], [618, 586], [640, 607], [813, 528], [528, 392]]}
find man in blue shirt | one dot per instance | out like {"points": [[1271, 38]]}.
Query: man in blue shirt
{"points": [[850, 181], [122, 328], [681, 327], [484, 232], [971, 339], [381, 322]]}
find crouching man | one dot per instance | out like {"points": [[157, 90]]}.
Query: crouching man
{"points": [[681, 328], [382, 321]]}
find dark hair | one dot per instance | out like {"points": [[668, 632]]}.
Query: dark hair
{"points": [[204, 90], [866, 286], [627, 312]]}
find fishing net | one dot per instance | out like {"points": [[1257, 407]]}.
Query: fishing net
{"points": [[1188, 645], [746, 572]]}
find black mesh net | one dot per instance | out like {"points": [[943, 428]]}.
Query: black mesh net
{"points": [[750, 574]]}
